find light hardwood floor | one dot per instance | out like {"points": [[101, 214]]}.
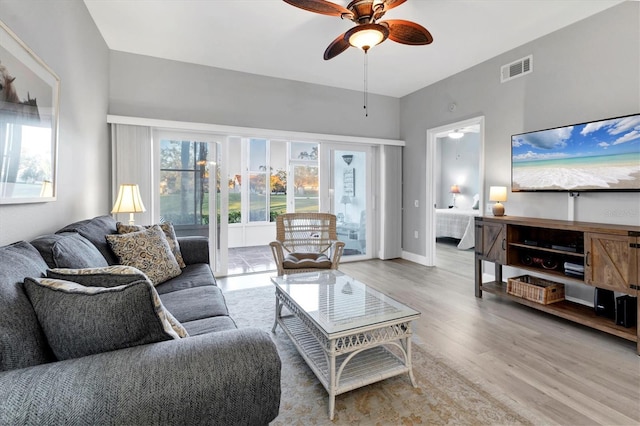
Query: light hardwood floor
{"points": [[560, 371]]}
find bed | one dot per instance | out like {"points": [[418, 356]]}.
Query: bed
{"points": [[457, 223]]}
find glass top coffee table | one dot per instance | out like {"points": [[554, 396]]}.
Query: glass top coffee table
{"points": [[349, 334]]}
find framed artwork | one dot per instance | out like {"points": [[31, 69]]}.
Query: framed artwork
{"points": [[29, 93], [349, 181]]}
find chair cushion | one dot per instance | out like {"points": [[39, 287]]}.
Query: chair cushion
{"points": [[147, 250], [197, 275], [209, 325], [306, 261], [108, 276], [196, 303], [79, 320], [22, 343], [169, 232]]}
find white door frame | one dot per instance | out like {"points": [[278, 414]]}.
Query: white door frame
{"points": [[432, 139]]}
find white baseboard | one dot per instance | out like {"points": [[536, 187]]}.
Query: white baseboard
{"points": [[416, 258]]}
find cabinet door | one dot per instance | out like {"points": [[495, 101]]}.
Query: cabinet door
{"points": [[494, 242], [610, 262]]}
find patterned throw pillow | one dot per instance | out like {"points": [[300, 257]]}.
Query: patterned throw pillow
{"points": [[108, 276], [79, 320], [147, 250], [169, 232]]}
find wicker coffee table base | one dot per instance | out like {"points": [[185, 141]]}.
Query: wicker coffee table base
{"points": [[351, 359]]}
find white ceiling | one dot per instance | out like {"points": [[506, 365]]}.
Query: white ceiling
{"points": [[273, 38]]}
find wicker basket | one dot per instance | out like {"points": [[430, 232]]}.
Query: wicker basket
{"points": [[535, 289]]}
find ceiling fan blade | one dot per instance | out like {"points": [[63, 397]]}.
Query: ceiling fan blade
{"points": [[321, 6], [390, 4], [336, 47], [407, 32]]}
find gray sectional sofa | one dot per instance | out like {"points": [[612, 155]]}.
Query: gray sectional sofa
{"points": [[218, 375]]}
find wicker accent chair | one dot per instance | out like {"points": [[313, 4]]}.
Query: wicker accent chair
{"points": [[306, 242]]}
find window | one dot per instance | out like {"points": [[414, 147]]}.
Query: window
{"points": [[184, 183], [278, 179], [258, 182], [304, 166]]}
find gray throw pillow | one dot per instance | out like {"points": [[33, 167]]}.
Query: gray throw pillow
{"points": [[69, 250], [108, 276], [79, 321], [94, 230]]}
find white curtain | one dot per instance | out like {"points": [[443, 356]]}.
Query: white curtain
{"points": [[132, 162], [390, 202]]}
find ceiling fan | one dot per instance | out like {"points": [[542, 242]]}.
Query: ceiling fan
{"points": [[369, 31]]}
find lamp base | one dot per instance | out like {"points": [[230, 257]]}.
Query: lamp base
{"points": [[131, 220], [498, 209]]}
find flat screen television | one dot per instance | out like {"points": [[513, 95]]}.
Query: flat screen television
{"points": [[596, 156]]}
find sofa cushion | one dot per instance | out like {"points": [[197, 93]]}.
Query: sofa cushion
{"points": [[68, 250], [195, 303], [108, 276], [22, 343], [95, 230], [147, 250], [169, 232], [306, 261], [197, 275], [79, 320], [209, 325]]}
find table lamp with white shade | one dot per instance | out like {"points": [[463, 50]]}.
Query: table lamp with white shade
{"points": [[129, 201], [345, 200], [498, 194], [455, 189]]}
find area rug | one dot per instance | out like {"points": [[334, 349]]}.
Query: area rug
{"points": [[444, 396]]}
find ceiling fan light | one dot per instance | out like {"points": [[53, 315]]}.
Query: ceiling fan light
{"points": [[366, 36], [456, 134]]}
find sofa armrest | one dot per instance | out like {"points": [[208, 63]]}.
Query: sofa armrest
{"points": [[231, 377], [194, 249]]}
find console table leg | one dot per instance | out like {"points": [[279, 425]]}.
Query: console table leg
{"points": [[478, 277], [498, 273]]}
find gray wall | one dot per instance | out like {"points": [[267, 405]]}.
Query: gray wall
{"points": [[143, 86], [64, 36], [587, 71]]}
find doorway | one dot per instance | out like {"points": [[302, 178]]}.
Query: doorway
{"points": [[435, 181]]}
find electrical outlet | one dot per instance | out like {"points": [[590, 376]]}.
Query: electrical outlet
{"points": [[415, 234], [489, 208]]}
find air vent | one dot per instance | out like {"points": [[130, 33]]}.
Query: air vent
{"points": [[516, 69]]}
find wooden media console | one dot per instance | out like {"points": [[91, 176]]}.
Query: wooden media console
{"points": [[609, 254]]}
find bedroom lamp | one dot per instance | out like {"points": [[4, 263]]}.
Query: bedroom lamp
{"points": [[129, 201], [345, 200], [498, 194], [455, 189]]}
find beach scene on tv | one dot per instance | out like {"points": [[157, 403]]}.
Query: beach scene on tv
{"points": [[601, 155]]}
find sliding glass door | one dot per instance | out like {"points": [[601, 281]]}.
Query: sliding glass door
{"points": [[351, 183], [189, 188]]}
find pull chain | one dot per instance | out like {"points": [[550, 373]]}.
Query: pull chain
{"points": [[366, 84]]}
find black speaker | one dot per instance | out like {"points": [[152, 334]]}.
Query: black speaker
{"points": [[626, 310], [604, 303]]}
